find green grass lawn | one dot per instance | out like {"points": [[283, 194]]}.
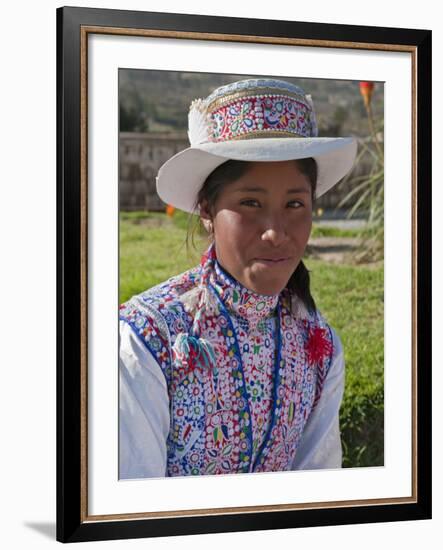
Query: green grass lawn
{"points": [[351, 298], [153, 247]]}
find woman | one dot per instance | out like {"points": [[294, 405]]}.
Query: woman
{"points": [[229, 367]]}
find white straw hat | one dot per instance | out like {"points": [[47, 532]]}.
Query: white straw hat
{"points": [[252, 120]]}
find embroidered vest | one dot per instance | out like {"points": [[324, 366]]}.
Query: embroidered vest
{"points": [[243, 371]]}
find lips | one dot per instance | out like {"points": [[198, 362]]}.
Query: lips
{"points": [[272, 260]]}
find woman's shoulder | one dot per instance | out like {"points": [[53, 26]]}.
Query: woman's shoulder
{"points": [[164, 293], [318, 327], [161, 305], [322, 322], [332, 340]]}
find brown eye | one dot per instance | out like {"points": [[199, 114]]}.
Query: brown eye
{"points": [[250, 202]]}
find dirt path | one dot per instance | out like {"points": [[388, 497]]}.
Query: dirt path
{"points": [[337, 250], [332, 249]]}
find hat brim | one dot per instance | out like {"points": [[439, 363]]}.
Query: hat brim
{"points": [[181, 177]]}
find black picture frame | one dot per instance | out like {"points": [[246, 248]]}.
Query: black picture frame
{"points": [[73, 25]]}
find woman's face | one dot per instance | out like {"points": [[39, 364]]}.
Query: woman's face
{"points": [[262, 222]]}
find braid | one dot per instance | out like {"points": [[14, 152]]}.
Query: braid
{"points": [[299, 284]]}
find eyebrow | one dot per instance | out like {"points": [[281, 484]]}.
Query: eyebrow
{"points": [[262, 190]]}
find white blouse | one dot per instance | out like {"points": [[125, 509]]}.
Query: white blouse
{"points": [[144, 414]]}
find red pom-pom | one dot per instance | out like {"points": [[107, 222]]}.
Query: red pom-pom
{"points": [[318, 345]]}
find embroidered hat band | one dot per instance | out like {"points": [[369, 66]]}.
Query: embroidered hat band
{"points": [[252, 112]]}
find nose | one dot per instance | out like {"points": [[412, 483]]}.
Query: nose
{"points": [[275, 231]]}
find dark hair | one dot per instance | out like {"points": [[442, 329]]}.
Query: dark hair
{"points": [[230, 171]]}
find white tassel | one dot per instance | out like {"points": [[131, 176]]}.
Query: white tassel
{"points": [[199, 122], [298, 308]]}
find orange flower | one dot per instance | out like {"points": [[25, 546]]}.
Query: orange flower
{"points": [[170, 210], [366, 89]]}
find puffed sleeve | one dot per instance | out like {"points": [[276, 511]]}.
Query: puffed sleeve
{"points": [[144, 410], [320, 445]]}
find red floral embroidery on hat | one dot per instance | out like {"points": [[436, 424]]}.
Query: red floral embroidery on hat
{"points": [[318, 346]]}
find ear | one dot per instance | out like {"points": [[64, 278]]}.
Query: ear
{"points": [[205, 213], [206, 217]]}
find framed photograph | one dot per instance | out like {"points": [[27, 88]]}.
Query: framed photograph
{"points": [[125, 83]]}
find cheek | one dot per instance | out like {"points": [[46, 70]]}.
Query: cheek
{"points": [[303, 226], [232, 227]]}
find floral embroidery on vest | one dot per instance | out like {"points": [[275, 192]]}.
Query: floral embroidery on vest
{"points": [[243, 372]]}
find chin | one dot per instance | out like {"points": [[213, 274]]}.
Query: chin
{"points": [[271, 284], [269, 289]]}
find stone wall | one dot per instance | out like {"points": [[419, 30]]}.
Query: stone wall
{"points": [[141, 155]]}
